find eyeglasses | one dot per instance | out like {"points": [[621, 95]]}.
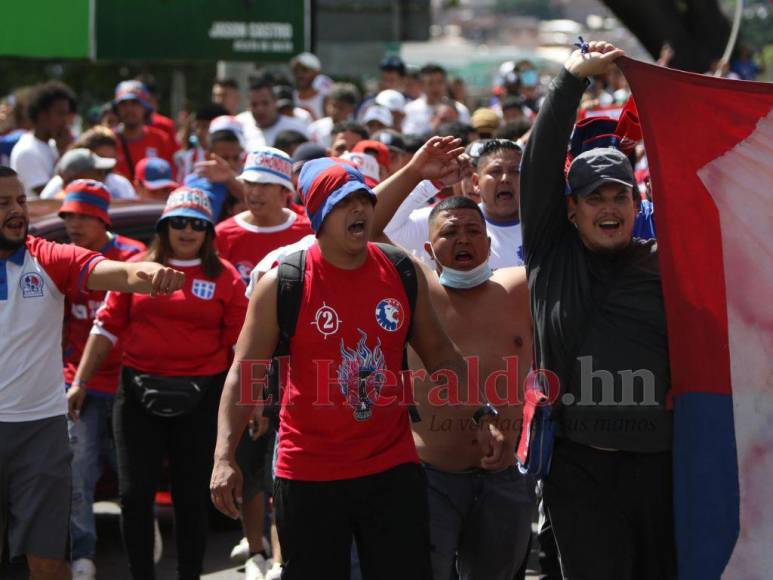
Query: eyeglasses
{"points": [[180, 223]]}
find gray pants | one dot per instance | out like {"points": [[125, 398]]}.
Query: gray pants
{"points": [[480, 523]]}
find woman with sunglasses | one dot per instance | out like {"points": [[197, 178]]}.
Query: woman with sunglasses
{"points": [[176, 352]]}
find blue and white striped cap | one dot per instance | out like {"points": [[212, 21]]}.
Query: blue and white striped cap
{"points": [[268, 165]]}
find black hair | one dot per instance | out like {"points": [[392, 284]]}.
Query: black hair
{"points": [[344, 93], [229, 83], [352, 126], [512, 102], [494, 146], [45, 95], [454, 202], [224, 136], [286, 140], [6, 171], [432, 68], [455, 129], [413, 143], [263, 83], [514, 130], [210, 111]]}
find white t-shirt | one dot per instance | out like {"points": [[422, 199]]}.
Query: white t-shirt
{"points": [[256, 137], [418, 115], [273, 258], [409, 228], [320, 131], [34, 160], [315, 105], [118, 186], [303, 116]]}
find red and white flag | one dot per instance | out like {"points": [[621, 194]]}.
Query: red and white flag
{"points": [[709, 144]]}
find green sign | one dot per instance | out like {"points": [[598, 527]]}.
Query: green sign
{"points": [[189, 30], [156, 30], [45, 29]]}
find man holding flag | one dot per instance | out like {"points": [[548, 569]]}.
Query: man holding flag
{"points": [[600, 326]]}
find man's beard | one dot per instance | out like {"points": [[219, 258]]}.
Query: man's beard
{"points": [[6, 244]]}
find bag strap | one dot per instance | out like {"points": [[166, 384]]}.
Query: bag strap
{"points": [[289, 296], [126, 154]]}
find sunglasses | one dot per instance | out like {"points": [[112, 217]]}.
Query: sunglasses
{"points": [[180, 223]]}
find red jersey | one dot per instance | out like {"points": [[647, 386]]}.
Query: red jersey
{"points": [[188, 333], [153, 143], [342, 413], [166, 126], [244, 245], [80, 310]]}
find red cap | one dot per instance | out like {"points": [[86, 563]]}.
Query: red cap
{"points": [[377, 149], [87, 197]]}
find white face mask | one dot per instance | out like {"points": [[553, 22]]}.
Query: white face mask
{"points": [[463, 279]]}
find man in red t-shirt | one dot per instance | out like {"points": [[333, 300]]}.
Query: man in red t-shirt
{"points": [[136, 139], [347, 466], [267, 224], [85, 216]]}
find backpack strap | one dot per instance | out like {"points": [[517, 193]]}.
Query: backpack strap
{"points": [[288, 305], [404, 265]]}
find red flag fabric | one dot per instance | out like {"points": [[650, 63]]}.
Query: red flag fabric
{"points": [[709, 143]]}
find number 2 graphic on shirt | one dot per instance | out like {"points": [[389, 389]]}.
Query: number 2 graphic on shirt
{"points": [[326, 320]]}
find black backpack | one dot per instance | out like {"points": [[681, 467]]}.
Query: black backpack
{"points": [[289, 296]]}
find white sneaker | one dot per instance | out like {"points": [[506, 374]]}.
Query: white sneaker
{"points": [[275, 573], [158, 543], [255, 568], [84, 569], [241, 551]]}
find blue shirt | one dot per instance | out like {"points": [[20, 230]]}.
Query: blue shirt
{"points": [[644, 226]]}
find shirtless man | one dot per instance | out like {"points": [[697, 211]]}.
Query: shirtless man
{"points": [[480, 511]]}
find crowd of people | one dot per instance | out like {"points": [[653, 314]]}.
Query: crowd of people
{"points": [[411, 257]]}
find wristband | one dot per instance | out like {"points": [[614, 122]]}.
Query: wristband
{"points": [[482, 411]]}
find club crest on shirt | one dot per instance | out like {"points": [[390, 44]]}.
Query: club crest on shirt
{"points": [[390, 314], [31, 284], [326, 320], [245, 269], [203, 289], [361, 375]]}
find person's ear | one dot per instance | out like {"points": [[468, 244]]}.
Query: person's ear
{"points": [[428, 249], [475, 182], [571, 210]]}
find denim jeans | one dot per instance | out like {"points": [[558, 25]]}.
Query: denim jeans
{"points": [[480, 523], [90, 440]]}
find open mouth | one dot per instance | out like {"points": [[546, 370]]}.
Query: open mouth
{"points": [[505, 196], [357, 227], [15, 225], [610, 225], [463, 257]]}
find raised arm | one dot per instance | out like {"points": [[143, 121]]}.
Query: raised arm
{"points": [[543, 209], [256, 344], [437, 160]]}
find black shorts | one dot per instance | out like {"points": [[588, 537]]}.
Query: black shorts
{"points": [[385, 513], [251, 459], [36, 487]]}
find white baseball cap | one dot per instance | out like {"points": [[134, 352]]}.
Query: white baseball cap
{"points": [[378, 113], [391, 99], [367, 165], [308, 60]]}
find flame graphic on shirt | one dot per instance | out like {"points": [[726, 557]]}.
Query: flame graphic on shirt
{"points": [[361, 375]]}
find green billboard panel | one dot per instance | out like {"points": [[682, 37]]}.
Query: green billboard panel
{"points": [[190, 30], [45, 29]]}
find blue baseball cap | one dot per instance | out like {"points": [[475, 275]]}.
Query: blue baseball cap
{"points": [[325, 182]]}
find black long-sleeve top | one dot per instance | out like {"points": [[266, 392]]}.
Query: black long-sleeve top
{"points": [[605, 309]]}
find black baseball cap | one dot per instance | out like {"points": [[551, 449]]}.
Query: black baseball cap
{"points": [[393, 63], [592, 169]]}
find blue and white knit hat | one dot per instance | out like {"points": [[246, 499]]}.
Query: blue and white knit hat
{"points": [[268, 165]]}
